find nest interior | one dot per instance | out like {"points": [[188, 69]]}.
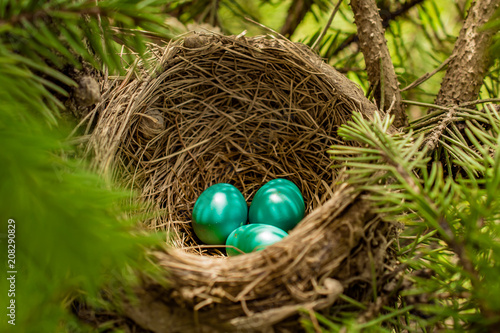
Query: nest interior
{"points": [[241, 111]]}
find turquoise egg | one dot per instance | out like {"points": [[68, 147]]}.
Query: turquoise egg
{"points": [[278, 203], [282, 182], [253, 237], [219, 210]]}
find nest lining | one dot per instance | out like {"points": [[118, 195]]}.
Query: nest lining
{"points": [[242, 111]]}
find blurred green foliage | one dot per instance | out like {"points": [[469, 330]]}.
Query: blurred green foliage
{"points": [[74, 231], [71, 228]]}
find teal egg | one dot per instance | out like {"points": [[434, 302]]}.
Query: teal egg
{"points": [[278, 203], [253, 237], [282, 182], [219, 210]]}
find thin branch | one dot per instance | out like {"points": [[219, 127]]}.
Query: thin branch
{"points": [[327, 26], [379, 66], [441, 107], [481, 101], [266, 28], [345, 70], [426, 76]]}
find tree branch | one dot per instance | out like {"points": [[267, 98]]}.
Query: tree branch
{"points": [[379, 66], [386, 20], [296, 13], [470, 59]]}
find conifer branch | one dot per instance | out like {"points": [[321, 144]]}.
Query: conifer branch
{"points": [[379, 66], [470, 59], [396, 174], [386, 21], [60, 41], [432, 139]]}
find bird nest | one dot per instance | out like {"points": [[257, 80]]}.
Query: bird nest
{"points": [[243, 111]]}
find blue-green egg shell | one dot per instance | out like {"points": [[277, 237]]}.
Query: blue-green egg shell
{"points": [[277, 204], [253, 237], [282, 182], [219, 210]]}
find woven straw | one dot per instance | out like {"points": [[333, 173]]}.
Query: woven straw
{"points": [[243, 111]]}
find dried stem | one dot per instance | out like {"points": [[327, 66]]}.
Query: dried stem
{"points": [[426, 76], [327, 26]]}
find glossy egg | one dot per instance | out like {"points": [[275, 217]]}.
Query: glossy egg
{"points": [[253, 237], [282, 182], [219, 210], [278, 203]]}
